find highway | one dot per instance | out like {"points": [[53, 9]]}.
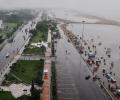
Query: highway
{"points": [[12, 49], [71, 73]]}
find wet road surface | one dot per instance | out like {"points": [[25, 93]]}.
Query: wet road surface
{"points": [[18, 42], [71, 73]]}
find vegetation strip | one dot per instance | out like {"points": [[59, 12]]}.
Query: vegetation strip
{"points": [[26, 72], [54, 84]]}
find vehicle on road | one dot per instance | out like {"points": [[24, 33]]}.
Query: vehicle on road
{"points": [[113, 80], [107, 75], [91, 55], [110, 78], [87, 77], [68, 40], [117, 92], [7, 55]]}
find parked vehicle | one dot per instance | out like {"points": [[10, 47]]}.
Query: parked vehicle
{"points": [[107, 75], [87, 77], [91, 55], [117, 92], [113, 80]]}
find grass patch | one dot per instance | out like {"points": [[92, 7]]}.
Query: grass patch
{"points": [[6, 96], [9, 29], [25, 71], [39, 36], [41, 32], [34, 50], [11, 25]]}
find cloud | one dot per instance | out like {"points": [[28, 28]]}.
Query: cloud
{"points": [[98, 7]]}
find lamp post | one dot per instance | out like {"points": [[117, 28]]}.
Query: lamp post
{"points": [[81, 47], [83, 22]]}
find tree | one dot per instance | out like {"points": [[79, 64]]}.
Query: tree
{"points": [[35, 94], [32, 88]]}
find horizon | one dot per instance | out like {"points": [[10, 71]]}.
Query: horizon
{"points": [[107, 9]]}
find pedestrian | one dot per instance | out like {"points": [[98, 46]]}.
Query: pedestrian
{"points": [[85, 53], [110, 72], [109, 55], [103, 60], [103, 83], [95, 47], [66, 51], [88, 48], [110, 68], [119, 47], [112, 64], [103, 74], [104, 63], [99, 43], [114, 74], [95, 52]]}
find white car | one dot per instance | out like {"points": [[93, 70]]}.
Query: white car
{"points": [[7, 55]]}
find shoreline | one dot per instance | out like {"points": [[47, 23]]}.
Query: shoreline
{"points": [[100, 22]]}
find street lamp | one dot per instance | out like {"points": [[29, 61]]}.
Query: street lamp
{"points": [[81, 47], [83, 22]]}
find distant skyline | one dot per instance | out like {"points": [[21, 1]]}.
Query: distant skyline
{"points": [[105, 8]]}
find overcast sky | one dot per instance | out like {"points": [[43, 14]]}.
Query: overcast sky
{"points": [[107, 8]]}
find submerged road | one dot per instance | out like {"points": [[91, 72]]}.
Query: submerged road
{"points": [[71, 73]]}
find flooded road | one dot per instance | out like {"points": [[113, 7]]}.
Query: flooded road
{"points": [[109, 36], [71, 73]]}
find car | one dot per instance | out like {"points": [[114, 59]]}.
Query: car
{"points": [[87, 77], [91, 55], [107, 75], [7, 55], [113, 80], [117, 92]]}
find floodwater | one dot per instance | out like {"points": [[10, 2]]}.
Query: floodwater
{"points": [[108, 35]]}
